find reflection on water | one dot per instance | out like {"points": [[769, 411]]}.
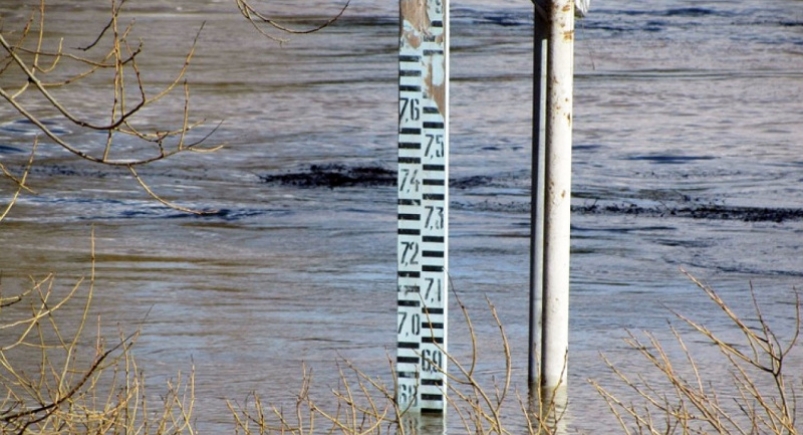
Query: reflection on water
{"points": [[424, 424], [687, 121]]}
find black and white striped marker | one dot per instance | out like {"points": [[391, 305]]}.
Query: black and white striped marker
{"points": [[423, 218]]}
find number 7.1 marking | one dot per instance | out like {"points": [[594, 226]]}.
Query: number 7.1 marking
{"points": [[430, 284]]}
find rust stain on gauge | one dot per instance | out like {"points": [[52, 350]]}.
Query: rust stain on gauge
{"points": [[415, 13], [436, 89]]}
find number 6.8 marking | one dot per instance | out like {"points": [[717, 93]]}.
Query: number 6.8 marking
{"points": [[408, 396]]}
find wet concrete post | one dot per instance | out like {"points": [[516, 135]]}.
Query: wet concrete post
{"points": [[537, 191], [423, 207], [557, 195]]}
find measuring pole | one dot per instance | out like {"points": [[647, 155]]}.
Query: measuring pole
{"points": [[557, 194], [423, 198]]}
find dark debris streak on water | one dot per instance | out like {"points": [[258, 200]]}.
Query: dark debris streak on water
{"points": [[340, 175], [711, 212]]}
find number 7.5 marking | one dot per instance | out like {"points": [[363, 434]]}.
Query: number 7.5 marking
{"points": [[437, 140]]}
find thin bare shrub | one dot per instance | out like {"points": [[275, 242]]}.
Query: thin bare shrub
{"points": [[683, 399], [41, 80], [367, 405], [482, 408], [35, 74], [362, 405], [55, 380]]}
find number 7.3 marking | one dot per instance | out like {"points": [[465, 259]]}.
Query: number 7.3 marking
{"points": [[437, 223]]}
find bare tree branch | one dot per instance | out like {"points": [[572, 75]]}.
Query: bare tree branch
{"points": [[255, 18]]}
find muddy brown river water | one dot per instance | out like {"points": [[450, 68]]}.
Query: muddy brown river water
{"points": [[687, 155]]}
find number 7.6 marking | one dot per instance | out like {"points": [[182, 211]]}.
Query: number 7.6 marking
{"points": [[412, 104]]}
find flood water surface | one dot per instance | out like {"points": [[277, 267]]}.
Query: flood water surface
{"points": [[687, 144]]}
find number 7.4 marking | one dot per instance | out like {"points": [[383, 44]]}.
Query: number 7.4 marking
{"points": [[409, 180]]}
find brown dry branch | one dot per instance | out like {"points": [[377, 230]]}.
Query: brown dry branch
{"points": [[18, 181], [684, 401], [121, 59], [48, 385], [480, 408], [367, 405], [32, 72], [255, 17], [362, 406], [27, 68]]}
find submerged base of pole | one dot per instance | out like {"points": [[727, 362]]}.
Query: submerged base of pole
{"points": [[548, 408]]}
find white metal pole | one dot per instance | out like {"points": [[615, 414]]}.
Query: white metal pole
{"points": [[557, 207], [537, 193]]}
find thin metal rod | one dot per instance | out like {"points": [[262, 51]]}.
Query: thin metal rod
{"points": [[557, 204], [537, 197]]}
